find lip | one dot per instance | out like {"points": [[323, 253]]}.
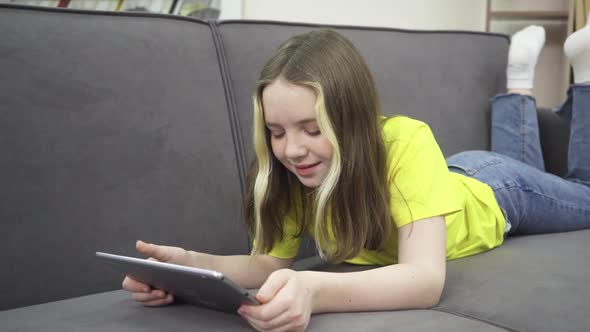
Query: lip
{"points": [[306, 170], [306, 166]]}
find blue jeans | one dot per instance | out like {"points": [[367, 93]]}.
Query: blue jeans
{"points": [[532, 200]]}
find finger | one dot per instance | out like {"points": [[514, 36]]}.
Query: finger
{"points": [[161, 302], [135, 286], [148, 297], [151, 250], [275, 323], [159, 253], [288, 328], [253, 323], [266, 312], [272, 285], [281, 302]]}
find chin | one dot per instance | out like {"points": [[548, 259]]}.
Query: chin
{"points": [[310, 183]]}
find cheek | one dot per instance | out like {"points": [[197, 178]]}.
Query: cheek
{"points": [[277, 149], [327, 150]]}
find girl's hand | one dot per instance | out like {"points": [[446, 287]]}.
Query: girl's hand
{"points": [[286, 303], [143, 293]]}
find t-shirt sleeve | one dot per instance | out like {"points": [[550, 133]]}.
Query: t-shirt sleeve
{"points": [[421, 185]]}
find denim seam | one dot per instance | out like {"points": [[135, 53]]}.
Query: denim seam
{"points": [[544, 196], [472, 171], [510, 185], [578, 181]]}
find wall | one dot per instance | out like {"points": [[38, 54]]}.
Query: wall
{"points": [[551, 80], [432, 15], [417, 14]]}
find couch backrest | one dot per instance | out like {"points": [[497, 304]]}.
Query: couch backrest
{"points": [[443, 78], [112, 128]]}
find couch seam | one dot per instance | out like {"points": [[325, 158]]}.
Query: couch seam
{"points": [[482, 320], [231, 108], [360, 27]]}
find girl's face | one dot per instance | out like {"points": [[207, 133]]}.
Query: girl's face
{"points": [[289, 112]]}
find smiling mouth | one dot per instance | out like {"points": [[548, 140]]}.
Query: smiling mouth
{"points": [[307, 166]]}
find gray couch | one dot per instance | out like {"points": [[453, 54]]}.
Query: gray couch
{"points": [[116, 127]]}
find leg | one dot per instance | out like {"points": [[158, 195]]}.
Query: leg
{"points": [[515, 129], [534, 202], [579, 145], [577, 49]]}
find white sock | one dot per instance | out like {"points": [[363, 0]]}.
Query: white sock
{"points": [[577, 49], [525, 47]]}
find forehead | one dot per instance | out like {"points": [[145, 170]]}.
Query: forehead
{"points": [[286, 104]]}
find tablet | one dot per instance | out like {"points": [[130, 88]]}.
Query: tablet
{"points": [[191, 285]]}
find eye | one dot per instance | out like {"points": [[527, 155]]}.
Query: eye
{"points": [[277, 135], [275, 132], [313, 133]]}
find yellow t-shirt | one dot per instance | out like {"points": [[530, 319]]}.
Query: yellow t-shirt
{"points": [[422, 187]]}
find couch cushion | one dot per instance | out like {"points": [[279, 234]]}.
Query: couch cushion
{"points": [[115, 311], [531, 283], [113, 127]]}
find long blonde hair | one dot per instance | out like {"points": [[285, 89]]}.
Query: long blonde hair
{"points": [[355, 193]]}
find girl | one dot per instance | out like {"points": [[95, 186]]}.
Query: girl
{"points": [[378, 191]]}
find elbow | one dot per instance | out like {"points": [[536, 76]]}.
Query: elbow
{"points": [[433, 302], [429, 300], [432, 293], [435, 293]]}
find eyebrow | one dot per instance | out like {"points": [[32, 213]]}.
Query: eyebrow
{"points": [[300, 122]]}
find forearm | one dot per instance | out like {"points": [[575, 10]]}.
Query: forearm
{"points": [[246, 271], [394, 287]]}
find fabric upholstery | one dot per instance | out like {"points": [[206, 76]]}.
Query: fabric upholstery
{"points": [[530, 283], [112, 128], [115, 311], [555, 132], [442, 78]]}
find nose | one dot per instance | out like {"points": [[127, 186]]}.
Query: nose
{"points": [[294, 149]]}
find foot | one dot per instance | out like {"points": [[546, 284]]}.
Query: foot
{"points": [[525, 47], [577, 49]]}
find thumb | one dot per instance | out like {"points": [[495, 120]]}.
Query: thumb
{"points": [[160, 253], [272, 285]]}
